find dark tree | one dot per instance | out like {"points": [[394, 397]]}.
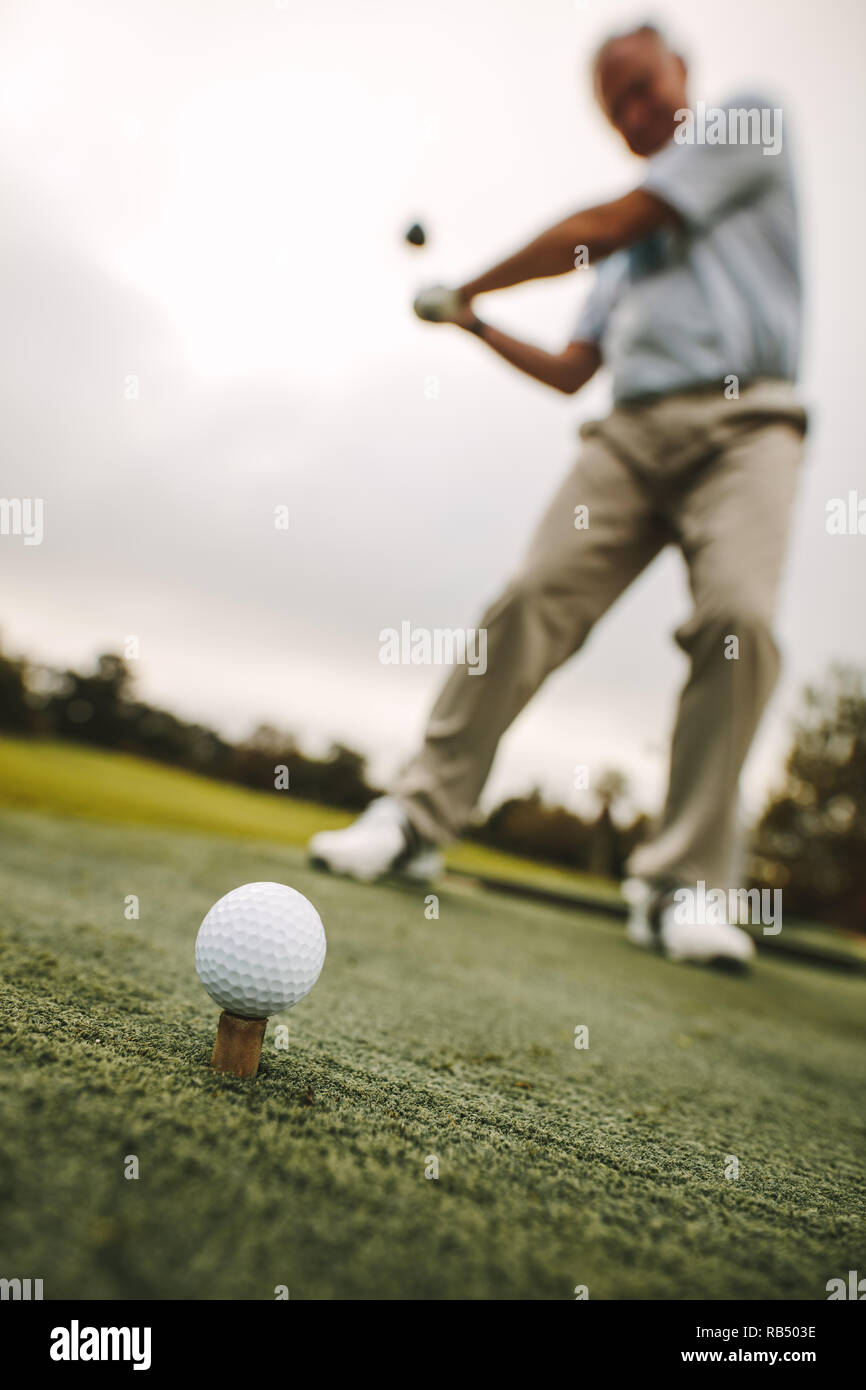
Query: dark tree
{"points": [[811, 839]]}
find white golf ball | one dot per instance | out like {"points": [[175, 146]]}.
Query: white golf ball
{"points": [[260, 949]]}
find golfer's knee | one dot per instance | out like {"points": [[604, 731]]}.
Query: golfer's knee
{"points": [[733, 629]]}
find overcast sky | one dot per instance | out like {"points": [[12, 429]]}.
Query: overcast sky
{"points": [[210, 197]]}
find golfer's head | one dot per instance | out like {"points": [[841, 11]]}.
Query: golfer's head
{"points": [[640, 84]]}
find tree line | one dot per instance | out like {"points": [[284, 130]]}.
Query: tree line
{"points": [[810, 840]]}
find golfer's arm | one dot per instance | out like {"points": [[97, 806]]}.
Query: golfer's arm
{"points": [[566, 371], [602, 230]]}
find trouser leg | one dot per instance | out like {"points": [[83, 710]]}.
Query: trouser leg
{"points": [[732, 525], [570, 577]]}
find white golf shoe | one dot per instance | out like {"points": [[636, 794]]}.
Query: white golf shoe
{"points": [[379, 842], [655, 923]]}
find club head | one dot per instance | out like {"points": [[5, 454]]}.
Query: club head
{"points": [[416, 236]]}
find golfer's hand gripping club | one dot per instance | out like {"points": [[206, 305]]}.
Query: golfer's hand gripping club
{"points": [[438, 304]]}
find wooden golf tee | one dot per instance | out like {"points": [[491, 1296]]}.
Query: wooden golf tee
{"points": [[238, 1045]]}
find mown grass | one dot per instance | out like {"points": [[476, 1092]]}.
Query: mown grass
{"points": [[74, 779], [449, 1039]]}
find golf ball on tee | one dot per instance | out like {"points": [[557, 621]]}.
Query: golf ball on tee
{"points": [[260, 949]]}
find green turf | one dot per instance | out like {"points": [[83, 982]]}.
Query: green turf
{"points": [[451, 1038], [76, 780]]}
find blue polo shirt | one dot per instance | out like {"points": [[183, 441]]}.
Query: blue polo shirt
{"points": [[719, 295]]}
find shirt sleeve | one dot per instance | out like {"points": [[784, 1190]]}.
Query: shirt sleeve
{"points": [[699, 181], [594, 314]]}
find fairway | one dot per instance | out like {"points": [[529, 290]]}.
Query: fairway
{"points": [[448, 1039], [76, 780]]}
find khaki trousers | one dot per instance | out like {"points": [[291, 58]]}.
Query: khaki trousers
{"points": [[715, 477]]}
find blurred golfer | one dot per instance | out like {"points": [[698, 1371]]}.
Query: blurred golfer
{"points": [[695, 313]]}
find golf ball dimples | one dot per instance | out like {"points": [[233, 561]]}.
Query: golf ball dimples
{"points": [[260, 949]]}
